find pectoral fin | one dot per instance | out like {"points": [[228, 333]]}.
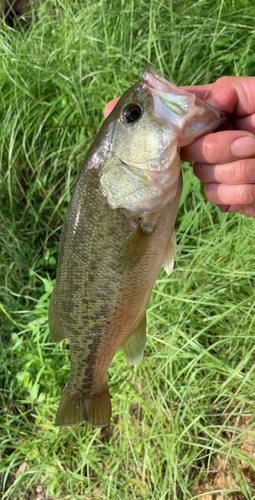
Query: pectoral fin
{"points": [[170, 253], [56, 331], [135, 245], [134, 346]]}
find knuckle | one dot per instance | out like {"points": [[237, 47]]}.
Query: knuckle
{"points": [[251, 194], [210, 149], [246, 194], [242, 172], [222, 82]]}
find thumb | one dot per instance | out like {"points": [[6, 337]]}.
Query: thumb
{"points": [[233, 94]]}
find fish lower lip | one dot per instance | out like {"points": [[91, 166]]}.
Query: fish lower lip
{"points": [[157, 82], [150, 80], [150, 76]]}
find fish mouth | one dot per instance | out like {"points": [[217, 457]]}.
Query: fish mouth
{"points": [[174, 106]]}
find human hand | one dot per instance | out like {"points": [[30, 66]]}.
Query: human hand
{"points": [[225, 160]]}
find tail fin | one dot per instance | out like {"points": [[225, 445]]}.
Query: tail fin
{"points": [[95, 410]]}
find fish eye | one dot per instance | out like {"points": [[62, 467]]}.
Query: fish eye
{"points": [[132, 112]]}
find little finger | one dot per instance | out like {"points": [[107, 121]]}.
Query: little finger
{"points": [[242, 209]]}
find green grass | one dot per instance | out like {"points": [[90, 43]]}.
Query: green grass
{"points": [[178, 409]]}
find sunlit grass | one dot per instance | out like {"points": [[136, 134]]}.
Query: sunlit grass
{"points": [[179, 408]]}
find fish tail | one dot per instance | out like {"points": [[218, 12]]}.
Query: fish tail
{"points": [[96, 410]]}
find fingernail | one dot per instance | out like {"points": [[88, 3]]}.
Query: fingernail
{"points": [[224, 208], [243, 147]]}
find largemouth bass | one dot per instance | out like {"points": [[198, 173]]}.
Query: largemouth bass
{"points": [[118, 231]]}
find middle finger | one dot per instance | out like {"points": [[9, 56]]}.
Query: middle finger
{"points": [[221, 147]]}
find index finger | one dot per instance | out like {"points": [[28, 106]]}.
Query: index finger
{"points": [[233, 94], [201, 91]]}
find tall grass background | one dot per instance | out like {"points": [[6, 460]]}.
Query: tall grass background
{"points": [[182, 407]]}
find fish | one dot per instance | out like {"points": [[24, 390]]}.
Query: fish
{"points": [[118, 231]]}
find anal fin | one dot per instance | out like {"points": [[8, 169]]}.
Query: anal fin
{"points": [[134, 346], [56, 330], [170, 253], [96, 410]]}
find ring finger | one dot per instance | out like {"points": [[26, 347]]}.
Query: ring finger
{"points": [[227, 194], [236, 172]]}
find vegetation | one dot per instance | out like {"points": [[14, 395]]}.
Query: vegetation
{"points": [[189, 405]]}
